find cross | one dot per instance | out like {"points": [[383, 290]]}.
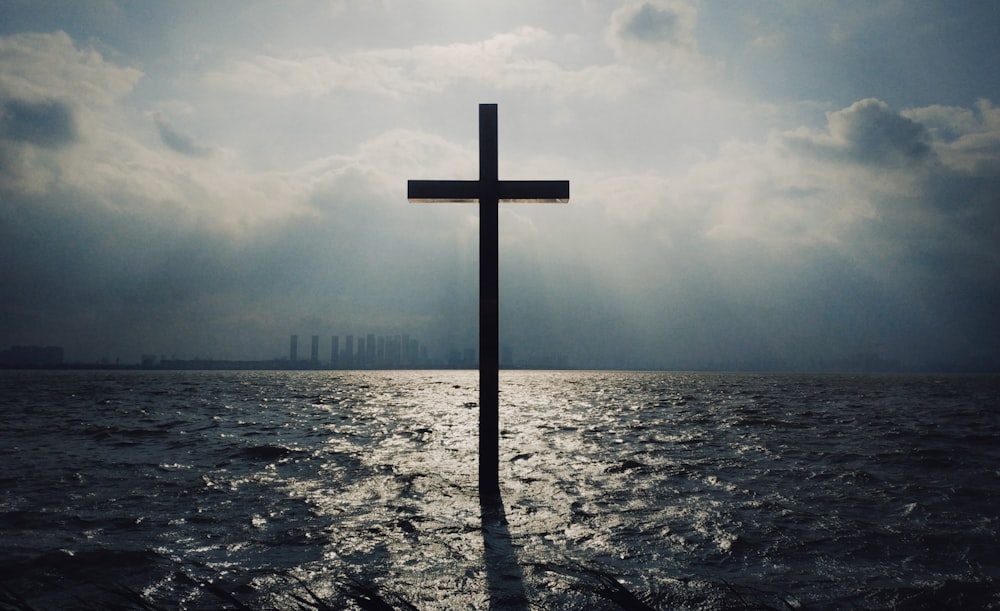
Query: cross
{"points": [[489, 191]]}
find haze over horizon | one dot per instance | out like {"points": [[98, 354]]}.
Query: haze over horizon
{"points": [[771, 182]]}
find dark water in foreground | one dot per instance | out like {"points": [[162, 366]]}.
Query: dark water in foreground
{"points": [[675, 491]]}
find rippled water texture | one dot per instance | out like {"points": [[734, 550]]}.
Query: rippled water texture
{"points": [[674, 491]]}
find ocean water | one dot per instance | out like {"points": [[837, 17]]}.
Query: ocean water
{"points": [[310, 490]]}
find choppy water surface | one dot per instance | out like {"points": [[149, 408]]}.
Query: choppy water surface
{"points": [[674, 491]]}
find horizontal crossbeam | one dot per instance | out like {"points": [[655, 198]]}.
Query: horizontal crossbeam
{"points": [[535, 191], [556, 191], [442, 190]]}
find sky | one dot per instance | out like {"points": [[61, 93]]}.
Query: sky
{"points": [[753, 184]]}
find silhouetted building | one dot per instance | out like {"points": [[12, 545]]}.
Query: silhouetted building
{"points": [[314, 353], [393, 350], [370, 349], [348, 350], [334, 351], [293, 349]]}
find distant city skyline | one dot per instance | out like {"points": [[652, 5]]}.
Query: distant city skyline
{"points": [[387, 353]]}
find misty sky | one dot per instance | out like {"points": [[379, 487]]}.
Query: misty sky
{"points": [[751, 182]]}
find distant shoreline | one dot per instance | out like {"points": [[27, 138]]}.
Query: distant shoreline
{"points": [[225, 365]]}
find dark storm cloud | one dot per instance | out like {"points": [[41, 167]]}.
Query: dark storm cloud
{"points": [[874, 133], [179, 142], [869, 132], [653, 24], [657, 31], [47, 123]]}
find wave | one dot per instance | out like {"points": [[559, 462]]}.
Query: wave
{"points": [[267, 452]]}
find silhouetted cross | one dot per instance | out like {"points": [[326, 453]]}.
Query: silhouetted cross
{"points": [[489, 191]]}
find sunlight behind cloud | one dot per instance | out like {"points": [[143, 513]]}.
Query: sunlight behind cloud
{"points": [[743, 180], [500, 61]]}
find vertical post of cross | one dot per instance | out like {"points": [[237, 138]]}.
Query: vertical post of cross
{"points": [[489, 303]]}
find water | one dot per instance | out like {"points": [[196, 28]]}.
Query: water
{"points": [[293, 490]]}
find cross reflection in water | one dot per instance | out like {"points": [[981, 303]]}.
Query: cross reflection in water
{"points": [[504, 576]]}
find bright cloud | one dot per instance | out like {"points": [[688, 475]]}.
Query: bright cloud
{"points": [[503, 61]]}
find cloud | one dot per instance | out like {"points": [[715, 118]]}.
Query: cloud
{"points": [[867, 132], [52, 95], [650, 23], [909, 243], [505, 61], [870, 171], [30, 133], [659, 33], [49, 67], [48, 124], [177, 141], [968, 139]]}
